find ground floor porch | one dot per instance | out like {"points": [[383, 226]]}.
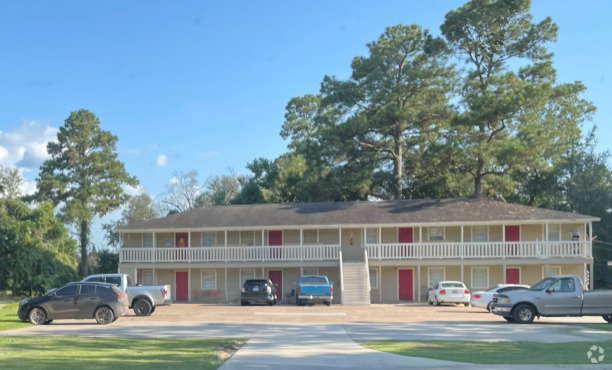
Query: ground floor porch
{"points": [[387, 281]]}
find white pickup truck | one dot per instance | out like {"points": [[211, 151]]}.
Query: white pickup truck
{"points": [[562, 295], [143, 299]]}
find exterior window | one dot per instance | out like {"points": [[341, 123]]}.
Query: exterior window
{"points": [[247, 238], [480, 233], [371, 236], [209, 280], [245, 275], [552, 271], [373, 278], [147, 240], [480, 277], [208, 238], [146, 277], [311, 237], [436, 233], [436, 274], [554, 233], [310, 271]]}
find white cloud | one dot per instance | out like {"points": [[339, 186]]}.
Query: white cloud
{"points": [[162, 160], [25, 146], [174, 180]]}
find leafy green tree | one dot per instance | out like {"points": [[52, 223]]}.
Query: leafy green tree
{"points": [[10, 182], [513, 115], [106, 262], [83, 176], [396, 98], [140, 207], [36, 251], [220, 190]]}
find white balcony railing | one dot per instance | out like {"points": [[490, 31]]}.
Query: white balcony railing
{"points": [[231, 254], [480, 250], [387, 251]]}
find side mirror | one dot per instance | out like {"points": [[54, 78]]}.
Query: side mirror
{"points": [[275, 285], [550, 290]]}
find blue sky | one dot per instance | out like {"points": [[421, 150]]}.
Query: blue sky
{"points": [[203, 85]]}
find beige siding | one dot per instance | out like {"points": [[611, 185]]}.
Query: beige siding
{"points": [[291, 237], [452, 234], [233, 238], [389, 235], [329, 236], [195, 239], [496, 233], [565, 231], [531, 232], [389, 284]]}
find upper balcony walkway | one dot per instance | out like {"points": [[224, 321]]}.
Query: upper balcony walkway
{"points": [[387, 251]]}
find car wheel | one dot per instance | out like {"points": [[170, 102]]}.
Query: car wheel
{"points": [[37, 316], [142, 307], [152, 309], [48, 322], [466, 304], [104, 315], [243, 303], [524, 314], [270, 303], [437, 302], [608, 318], [328, 303], [115, 318], [489, 307], [509, 318]]}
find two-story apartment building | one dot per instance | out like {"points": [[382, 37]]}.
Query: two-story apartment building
{"points": [[390, 251]]}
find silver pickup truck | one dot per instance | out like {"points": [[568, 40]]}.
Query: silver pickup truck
{"points": [[562, 295], [143, 299]]}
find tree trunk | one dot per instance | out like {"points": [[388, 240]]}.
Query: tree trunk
{"points": [[84, 236], [397, 163], [478, 179]]}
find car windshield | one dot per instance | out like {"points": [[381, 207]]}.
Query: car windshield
{"points": [[313, 280], [452, 285], [543, 284]]}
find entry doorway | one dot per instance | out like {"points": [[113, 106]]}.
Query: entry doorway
{"points": [[513, 234], [513, 275], [276, 276], [182, 285], [405, 282]]}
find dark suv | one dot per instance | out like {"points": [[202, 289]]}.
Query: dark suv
{"points": [[258, 291], [100, 301]]}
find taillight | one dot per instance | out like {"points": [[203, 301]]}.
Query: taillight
{"points": [[443, 291], [467, 291], [477, 296], [331, 289], [164, 292], [118, 295]]}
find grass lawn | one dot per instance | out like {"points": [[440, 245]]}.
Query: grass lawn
{"points": [[8, 317], [114, 353], [606, 327], [496, 352]]}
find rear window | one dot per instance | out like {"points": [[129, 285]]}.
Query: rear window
{"points": [[255, 282], [88, 289], [313, 280], [113, 280], [452, 285]]}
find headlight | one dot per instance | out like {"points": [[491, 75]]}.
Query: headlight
{"points": [[503, 300]]}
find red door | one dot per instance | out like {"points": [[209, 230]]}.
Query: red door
{"points": [[513, 275], [404, 235], [181, 240], [276, 276], [513, 234], [182, 285], [275, 238], [405, 284]]}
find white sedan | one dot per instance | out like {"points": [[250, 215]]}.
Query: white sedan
{"points": [[449, 292], [483, 299]]}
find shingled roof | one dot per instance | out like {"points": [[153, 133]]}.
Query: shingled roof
{"points": [[332, 214]]}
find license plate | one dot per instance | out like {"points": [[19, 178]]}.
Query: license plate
{"points": [[455, 292], [256, 288]]}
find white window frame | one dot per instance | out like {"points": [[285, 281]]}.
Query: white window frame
{"points": [[310, 271], [245, 278], [557, 237], [250, 238], [374, 273], [550, 271], [473, 233], [369, 239], [431, 284], [486, 284], [202, 278], [144, 245], [209, 233], [433, 233]]}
